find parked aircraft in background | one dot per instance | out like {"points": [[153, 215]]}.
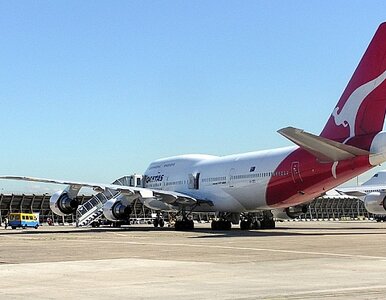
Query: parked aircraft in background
{"points": [[250, 186], [372, 193]]}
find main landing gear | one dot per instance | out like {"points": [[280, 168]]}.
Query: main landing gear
{"points": [[225, 221], [158, 221], [184, 224], [257, 221], [221, 225]]}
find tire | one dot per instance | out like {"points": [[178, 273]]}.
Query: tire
{"points": [[155, 222], [36, 226], [271, 224], [161, 223], [268, 224], [184, 225], [178, 226], [190, 224], [227, 225], [245, 225], [264, 224], [256, 224], [214, 225]]}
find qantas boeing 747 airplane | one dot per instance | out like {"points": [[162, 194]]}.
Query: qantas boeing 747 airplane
{"points": [[254, 187]]}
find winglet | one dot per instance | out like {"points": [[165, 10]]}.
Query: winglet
{"points": [[323, 149]]}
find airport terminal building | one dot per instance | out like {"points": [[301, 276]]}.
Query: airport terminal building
{"points": [[323, 208]]}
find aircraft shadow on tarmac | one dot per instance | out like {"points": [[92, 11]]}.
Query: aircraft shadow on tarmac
{"points": [[287, 232], [209, 233]]}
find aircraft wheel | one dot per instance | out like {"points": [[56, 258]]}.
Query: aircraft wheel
{"points": [[214, 225], [184, 225], [227, 225], [245, 225], [161, 223], [190, 224], [178, 225], [268, 224], [155, 222], [271, 224], [256, 224]]}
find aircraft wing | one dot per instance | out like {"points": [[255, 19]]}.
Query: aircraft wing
{"points": [[169, 197], [351, 192], [361, 191], [323, 149]]}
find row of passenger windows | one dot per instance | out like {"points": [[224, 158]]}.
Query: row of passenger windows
{"points": [[212, 179], [222, 178], [260, 175], [175, 182], [159, 184], [375, 190], [154, 185]]}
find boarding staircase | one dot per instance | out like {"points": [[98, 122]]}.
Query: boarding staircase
{"points": [[92, 210]]}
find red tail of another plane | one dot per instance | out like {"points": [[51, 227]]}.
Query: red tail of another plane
{"points": [[360, 112]]}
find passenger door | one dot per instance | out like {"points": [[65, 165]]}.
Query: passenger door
{"points": [[295, 172], [194, 181]]}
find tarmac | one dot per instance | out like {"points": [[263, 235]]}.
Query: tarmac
{"points": [[298, 260]]}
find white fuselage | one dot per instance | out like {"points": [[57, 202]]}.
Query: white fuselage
{"points": [[235, 183], [261, 180]]}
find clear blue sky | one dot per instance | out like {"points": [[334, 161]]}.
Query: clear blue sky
{"points": [[94, 90]]}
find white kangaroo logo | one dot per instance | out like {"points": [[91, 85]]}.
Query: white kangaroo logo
{"points": [[348, 114]]}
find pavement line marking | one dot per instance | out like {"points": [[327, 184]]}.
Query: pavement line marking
{"points": [[336, 290], [119, 234], [260, 249], [383, 258]]}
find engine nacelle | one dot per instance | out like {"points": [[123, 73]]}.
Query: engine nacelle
{"points": [[375, 203], [61, 204], [115, 210], [289, 213]]}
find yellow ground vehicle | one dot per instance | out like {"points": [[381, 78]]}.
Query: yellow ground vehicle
{"points": [[23, 220]]}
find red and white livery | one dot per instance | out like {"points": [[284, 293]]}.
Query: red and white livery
{"points": [[260, 185]]}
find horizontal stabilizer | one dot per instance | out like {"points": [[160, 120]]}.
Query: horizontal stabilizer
{"points": [[323, 149]]}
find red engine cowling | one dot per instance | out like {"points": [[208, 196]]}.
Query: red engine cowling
{"points": [[375, 203]]}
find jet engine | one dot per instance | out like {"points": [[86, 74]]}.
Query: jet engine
{"points": [[115, 210], [375, 202], [61, 204], [289, 213]]}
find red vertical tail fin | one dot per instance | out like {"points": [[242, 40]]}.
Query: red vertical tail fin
{"points": [[360, 112]]}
